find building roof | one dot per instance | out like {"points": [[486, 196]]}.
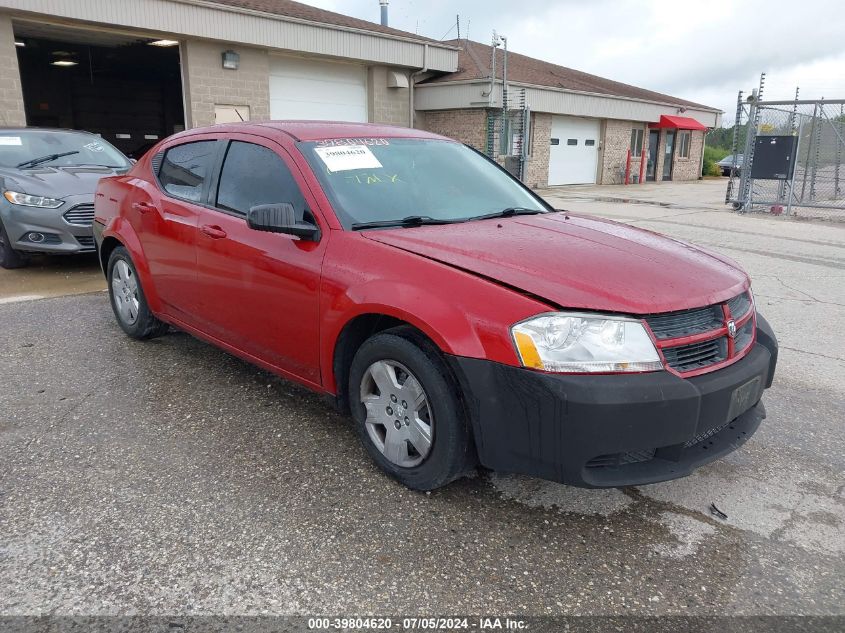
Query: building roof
{"points": [[474, 63], [290, 9]]}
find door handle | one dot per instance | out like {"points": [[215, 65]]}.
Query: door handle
{"points": [[213, 231], [143, 207]]}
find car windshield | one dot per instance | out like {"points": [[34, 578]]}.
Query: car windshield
{"points": [[19, 147], [388, 179]]}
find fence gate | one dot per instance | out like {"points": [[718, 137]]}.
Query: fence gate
{"points": [[793, 153], [508, 136]]}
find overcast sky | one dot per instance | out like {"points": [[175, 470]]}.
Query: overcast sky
{"points": [[701, 51]]}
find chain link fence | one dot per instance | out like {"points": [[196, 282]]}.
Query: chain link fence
{"points": [[812, 182], [508, 139]]}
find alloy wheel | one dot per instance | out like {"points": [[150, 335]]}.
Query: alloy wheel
{"points": [[124, 286], [399, 419]]}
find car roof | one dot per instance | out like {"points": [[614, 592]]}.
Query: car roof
{"points": [[319, 130]]}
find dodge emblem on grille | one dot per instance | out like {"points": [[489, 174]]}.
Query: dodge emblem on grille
{"points": [[731, 328]]}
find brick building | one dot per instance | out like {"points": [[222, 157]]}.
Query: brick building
{"points": [[135, 71], [581, 126]]}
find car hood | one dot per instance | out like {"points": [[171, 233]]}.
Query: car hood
{"points": [[578, 262], [56, 182]]}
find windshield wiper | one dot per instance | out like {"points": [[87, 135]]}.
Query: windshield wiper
{"points": [[44, 159], [509, 212], [94, 165], [409, 221]]}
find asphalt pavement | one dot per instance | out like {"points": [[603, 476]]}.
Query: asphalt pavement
{"points": [[169, 477]]}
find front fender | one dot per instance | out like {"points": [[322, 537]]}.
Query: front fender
{"points": [[464, 315]]}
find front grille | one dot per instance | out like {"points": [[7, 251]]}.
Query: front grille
{"points": [[697, 355], [744, 336], [739, 306], [615, 460], [706, 435], [80, 215], [686, 322], [86, 241], [693, 340]]}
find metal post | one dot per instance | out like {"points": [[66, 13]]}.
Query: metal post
{"points": [[493, 47], [817, 156], [836, 189], [782, 188], [748, 155], [734, 147], [792, 177], [809, 151], [526, 138], [505, 141]]}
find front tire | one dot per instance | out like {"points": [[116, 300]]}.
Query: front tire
{"points": [[9, 257], [407, 410], [127, 298]]}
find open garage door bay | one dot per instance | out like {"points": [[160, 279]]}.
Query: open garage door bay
{"points": [[112, 84], [573, 155], [310, 89]]}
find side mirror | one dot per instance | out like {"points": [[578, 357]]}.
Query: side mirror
{"points": [[281, 218]]}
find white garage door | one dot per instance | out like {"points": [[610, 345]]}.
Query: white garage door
{"points": [[574, 152], [308, 89]]}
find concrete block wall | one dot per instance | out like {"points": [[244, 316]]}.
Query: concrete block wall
{"points": [[387, 105], [614, 152], [207, 83], [537, 168], [12, 112], [468, 126]]}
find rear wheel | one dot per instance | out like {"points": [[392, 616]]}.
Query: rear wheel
{"points": [[127, 298], [9, 257], [407, 410]]}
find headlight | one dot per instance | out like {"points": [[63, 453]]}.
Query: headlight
{"points": [[582, 343], [26, 200]]}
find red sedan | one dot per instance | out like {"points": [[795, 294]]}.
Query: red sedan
{"points": [[459, 318]]}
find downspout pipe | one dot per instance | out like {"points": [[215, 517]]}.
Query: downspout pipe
{"points": [[412, 81]]}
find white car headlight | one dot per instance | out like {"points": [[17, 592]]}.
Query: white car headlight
{"points": [[583, 343], [26, 200]]}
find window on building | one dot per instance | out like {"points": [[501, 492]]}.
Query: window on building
{"points": [[637, 141], [184, 169], [572, 141], [253, 175], [590, 142], [684, 137]]}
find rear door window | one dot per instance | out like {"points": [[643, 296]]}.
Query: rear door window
{"points": [[186, 168], [253, 175]]}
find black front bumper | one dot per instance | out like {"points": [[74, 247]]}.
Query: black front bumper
{"points": [[614, 430]]}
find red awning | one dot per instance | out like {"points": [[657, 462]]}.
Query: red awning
{"points": [[677, 122]]}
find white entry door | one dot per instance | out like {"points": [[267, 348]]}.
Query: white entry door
{"points": [[316, 89], [574, 151]]}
